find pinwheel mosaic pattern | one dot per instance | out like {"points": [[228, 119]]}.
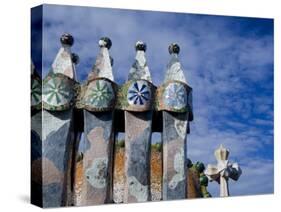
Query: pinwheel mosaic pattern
{"points": [[99, 94], [36, 92], [57, 91], [138, 93], [175, 96]]}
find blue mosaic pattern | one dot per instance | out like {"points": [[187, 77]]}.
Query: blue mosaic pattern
{"points": [[175, 96], [138, 93]]}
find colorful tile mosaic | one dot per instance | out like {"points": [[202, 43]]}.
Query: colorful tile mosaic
{"points": [[36, 92], [175, 96], [99, 94], [58, 92], [138, 93]]}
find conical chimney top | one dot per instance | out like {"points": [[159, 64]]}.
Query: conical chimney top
{"points": [[63, 62], [103, 64], [174, 70], [139, 68]]}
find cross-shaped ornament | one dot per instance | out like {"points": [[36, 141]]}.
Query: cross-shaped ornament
{"points": [[223, 170]]}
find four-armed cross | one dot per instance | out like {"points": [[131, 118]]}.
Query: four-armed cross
{"points": [[223, 170]]}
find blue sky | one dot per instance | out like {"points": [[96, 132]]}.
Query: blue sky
{"points": [[227, 60]]}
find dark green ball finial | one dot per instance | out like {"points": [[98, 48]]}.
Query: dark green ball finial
{"points": [[105, 42], [140, 46], [203, 180], [189, 163], [75, 58], [174, 48], [67, 39], [200, 167]]}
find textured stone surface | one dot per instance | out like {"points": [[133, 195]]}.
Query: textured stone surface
{"points": [[174, 70], [175, 127], [193, 185], [156, 173], [138, 133], [137, 151], [57, 129], [179, 176], [93, 183], [78, 183], [36, 137], [96, 174], [36, 155], [118, 174], [137, 189], [97, 159], [139, 68], [98, 130], [103, 66], [63, 63], [56, 151], [52, 195], [174, 155]]}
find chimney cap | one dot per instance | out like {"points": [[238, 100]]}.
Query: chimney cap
{"points": [[140, 46], [174, 48], [105, 42], [67, 39]]}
